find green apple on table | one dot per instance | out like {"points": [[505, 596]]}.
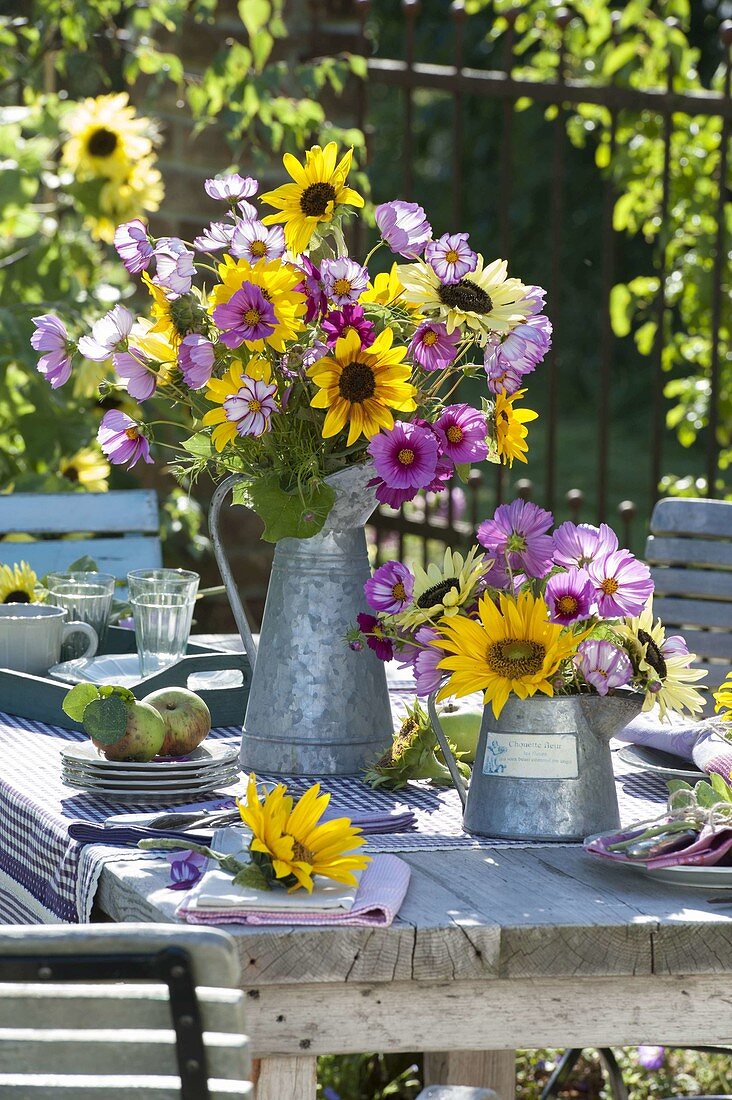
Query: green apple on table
{"points": [[461, 719], [186, 717]]}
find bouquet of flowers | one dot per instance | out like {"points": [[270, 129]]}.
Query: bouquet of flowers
{"points": [[295, 362], [531, 611]]}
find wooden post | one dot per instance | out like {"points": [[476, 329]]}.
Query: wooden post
{"points": [[488, 1069], [278, 1078]]}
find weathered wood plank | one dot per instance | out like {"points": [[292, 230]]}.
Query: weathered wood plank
{"points": [[287, 1077], [710, 643], [703, 518], [703, 584], [491, 1074], [52, 1086], [709, 553], [693, 613], [115, 556], [120, 511]]}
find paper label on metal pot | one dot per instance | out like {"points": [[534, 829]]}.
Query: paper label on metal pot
{"points": [[531, 756]]}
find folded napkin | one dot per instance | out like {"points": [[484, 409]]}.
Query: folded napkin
{"points": [[712, 845], [120, 836], [703, 742]]}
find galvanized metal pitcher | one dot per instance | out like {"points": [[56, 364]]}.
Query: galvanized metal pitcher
{"points": [[315, 706], [543, 770]]}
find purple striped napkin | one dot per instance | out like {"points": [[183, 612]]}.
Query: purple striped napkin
{"points": [[703, 742]]}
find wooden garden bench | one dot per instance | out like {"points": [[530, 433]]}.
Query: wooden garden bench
{"points": [[120, 530], [147, 1011]]}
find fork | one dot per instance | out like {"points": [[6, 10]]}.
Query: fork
{"points": [[197, 817]]}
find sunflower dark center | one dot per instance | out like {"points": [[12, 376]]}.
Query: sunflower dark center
{"points": [[315, 198], [515, 658], [18, 596], [71, 473], [357, 383], [302, 854], [437, 593], [654, 656], [102, 143], [466, 296]]}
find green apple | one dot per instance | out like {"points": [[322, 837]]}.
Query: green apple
{"points": [[186, 718], [461, 722], [143, 736]]}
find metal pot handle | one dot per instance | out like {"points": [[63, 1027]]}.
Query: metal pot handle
{"points": [[450, 760], [232, 592]]}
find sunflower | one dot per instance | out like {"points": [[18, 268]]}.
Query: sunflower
{"points": [[18, 584], [87, 468], [663, 664], [280, 284], [440, 591], [106, 137], [483, 302], [385, 290], [173, 318], [140, 190], [510, 439], [319, 187], [359, 385], [295, 844], [723, 699], [513, 648], [219, 389]]}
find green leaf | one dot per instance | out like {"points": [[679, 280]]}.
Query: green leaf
{"points": [[621, 55], [295, 515], [621, 303], [199, 445], [108, 691], [105, 720], [76, 700], [251, 876], [462, 469], [722, 789]]}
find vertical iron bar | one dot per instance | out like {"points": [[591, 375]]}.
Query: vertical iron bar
{"points": [[504, 206], [718, 277], [362, 46], [411, 10], [457, 10]]}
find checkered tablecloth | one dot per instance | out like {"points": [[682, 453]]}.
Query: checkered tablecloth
{"points": [[46, 877]]}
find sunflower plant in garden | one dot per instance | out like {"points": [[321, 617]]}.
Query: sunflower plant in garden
{"points": [[531, 610], [294, 361]]}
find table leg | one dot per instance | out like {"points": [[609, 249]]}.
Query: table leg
{"points": [[285, 1078], [489, 1069]]}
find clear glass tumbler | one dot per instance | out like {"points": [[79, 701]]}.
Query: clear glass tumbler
{"points": [[162, 626], [87, 596], [144, 581]]}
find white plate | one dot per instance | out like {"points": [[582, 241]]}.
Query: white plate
{"points": [[124, 670], [127, 779], [208, 754], [660, 763], [165, 798], [119, 783], [704, 878]]}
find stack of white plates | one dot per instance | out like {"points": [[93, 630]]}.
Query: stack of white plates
{"points": [[211, 766]]}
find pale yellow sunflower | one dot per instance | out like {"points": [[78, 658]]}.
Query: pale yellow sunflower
{"points": [[664, 663], [106, 137], [18, 584], [219, 389], [442, 590], [279, 283], [319, 188], [511, 435], [87, 468]]}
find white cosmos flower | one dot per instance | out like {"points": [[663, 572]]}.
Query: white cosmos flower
{"points": [[107, 334]]}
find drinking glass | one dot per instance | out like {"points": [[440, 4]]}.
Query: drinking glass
{"points": [[162, 625], [145, 581], [87, 596]]}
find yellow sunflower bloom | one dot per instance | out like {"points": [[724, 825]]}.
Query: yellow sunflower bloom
{"points": [[510, 431], [291, 836], [319, 187], [440, 591], [18, 584], [173, 318], [279, 284], [139, 191], [219, 389], [723, 699], [666, 661], [88, 468], [359, 385], [106, 137], [511, 648]]}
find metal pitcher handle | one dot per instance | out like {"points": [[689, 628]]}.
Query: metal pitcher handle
{"points": [[447, 752], [232, 592]]}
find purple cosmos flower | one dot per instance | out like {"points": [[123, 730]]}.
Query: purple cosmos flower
{"points": [[217, 236], [603, 665], [385, 494], [427, 675], [247, 316], [403, 227], [405, 456], [121, 439], [133, 245], [675, 646], [351, 318], [622, 584], [432, 346], [569, 596], [254, 241], [507, 360], [175, 268], [196, 359], [244, 211], [186, 868], [451, 258], [390, 589], [133, 367], [372, 631], [343, 280], [577, 544], [317, 351], [231, 188], [251, 407], [463, 432], [534, 299], [312, 287], [651, 1057], [51, 337], [519, 530], [107, 334]]}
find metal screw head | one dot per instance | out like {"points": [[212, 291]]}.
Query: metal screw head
{"points": [[192, 1065], [177, 971], [45, 973]]}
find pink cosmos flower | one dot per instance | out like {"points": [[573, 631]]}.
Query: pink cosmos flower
{"points": [[251, 407], [577, 544], [451, 258], [175, 269], [343, 280], [519, 530], [247, 316], [403, 227], [217, 236], [133, 368], [569, 596], [254, 241], [107, 334], [432, 346], [603, 665], [351, 318], [122, 440], [405, 456], [372, 631], [196, 358], [427, 676], [231, 188], [622, 584], [50, 336], [507, 360], [463, 432], [390, 589], [394, 498], [312, 287], [133, 245]]}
